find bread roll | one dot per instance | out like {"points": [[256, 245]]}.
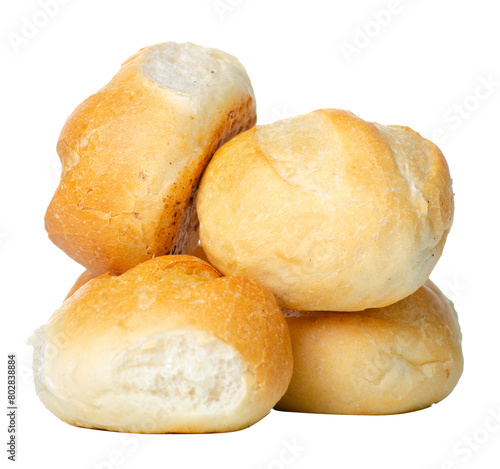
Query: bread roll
{"points": [[132, 155], [200, 254], [168, 346], [89, 275], [329, 211], [395, 359], [84, 277]]}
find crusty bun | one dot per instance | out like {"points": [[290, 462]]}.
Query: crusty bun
{"points": [[329, 211], [168, 346], [395, 359], [89, 275], [84, 277], [133, 153], [200, 254]]}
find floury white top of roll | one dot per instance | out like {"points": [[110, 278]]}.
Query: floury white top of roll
{"points": [[133, 153], [168, 346], [329, 211]]}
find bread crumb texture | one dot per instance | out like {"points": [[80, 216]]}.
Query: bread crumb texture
{"points": [[168, 346]]}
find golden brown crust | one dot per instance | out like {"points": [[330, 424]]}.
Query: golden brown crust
{"points": [[396, 359], [329, 211], [132, 156], [165, 294], [84, 277], [200, 254], [87, 275]]}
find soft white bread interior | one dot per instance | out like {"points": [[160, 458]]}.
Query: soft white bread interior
{"points": [[168, 346], [400, 358], [133, 153], [329, 211]]}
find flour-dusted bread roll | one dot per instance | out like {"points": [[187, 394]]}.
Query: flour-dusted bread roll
{"points": [[396, 359], [329, 211], [132, 155], [168, 346]]}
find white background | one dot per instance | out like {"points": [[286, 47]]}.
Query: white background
{"points": [[423, 67]]}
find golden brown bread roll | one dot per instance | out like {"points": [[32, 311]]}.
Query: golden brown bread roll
{"points": [[200, 254], [88, 275], [168, 346], [84, 277], [400, 358], [132, 155], [329, 211]]}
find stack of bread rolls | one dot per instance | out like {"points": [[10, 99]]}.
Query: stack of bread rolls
{"points": [[343, 220], [294, 275]]}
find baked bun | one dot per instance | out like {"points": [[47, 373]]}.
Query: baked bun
{"points": [[396, 359], [133, 153], [329, 211], [89, 275], [168, 346], [200, 254], [84, 277]]}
